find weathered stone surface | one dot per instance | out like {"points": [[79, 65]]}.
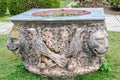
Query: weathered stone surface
{"points": [[60, 49]]}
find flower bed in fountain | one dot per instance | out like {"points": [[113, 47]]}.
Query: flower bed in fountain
{"points": [[61, 13], [60, 46]]}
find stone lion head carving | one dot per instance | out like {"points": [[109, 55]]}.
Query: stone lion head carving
{"points": [[98, 42], [13, 43], [19, 39]]}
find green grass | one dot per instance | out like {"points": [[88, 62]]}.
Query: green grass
{"points": [[64, 3], [3, 19], [11, 67]]}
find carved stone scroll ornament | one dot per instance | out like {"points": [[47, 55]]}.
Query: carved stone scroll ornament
{"points": [[56, 39], [59, 52]]}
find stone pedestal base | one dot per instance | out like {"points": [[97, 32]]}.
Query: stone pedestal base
{"points": [[60, 49]]}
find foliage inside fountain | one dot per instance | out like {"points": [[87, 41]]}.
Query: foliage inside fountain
{"points": [[61, 13]]}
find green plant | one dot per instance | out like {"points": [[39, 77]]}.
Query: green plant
{"points": [[50, 3], [105, 66], [19, 6], [115, 3], [58, 15], [3, 7]]}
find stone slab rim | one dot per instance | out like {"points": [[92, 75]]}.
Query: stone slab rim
{"points": [[96, 14]]}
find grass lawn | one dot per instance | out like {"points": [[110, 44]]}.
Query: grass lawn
{"points": [[65, 2], [11, 67], [3, 19]]}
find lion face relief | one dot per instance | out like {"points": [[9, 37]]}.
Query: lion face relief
{"points": [[13, 43], [98, 42]]}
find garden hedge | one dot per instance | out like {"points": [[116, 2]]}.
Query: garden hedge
{"points": [[3, 7], [19, 6], [50, 3], [115, 3]]}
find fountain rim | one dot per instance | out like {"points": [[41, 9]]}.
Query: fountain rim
{"points": [[96, 14]]}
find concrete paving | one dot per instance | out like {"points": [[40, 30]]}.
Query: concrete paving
{"points": [[5, 27], [112, 24]]}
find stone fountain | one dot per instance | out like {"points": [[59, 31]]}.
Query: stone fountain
{"points": [[60, 43]]}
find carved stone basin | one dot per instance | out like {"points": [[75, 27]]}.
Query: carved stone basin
{"points": [[60, 46]]}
